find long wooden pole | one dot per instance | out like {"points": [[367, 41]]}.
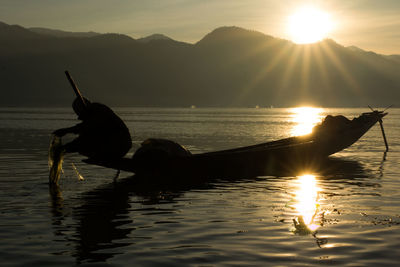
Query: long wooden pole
{"points": [[76, 90], [381, 124], [383, 134]]}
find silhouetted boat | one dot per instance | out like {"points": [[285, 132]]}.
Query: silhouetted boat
{"points": [[158, 157]]}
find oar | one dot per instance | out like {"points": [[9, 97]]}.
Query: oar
{"points": [[382, 130], [76, 90]]}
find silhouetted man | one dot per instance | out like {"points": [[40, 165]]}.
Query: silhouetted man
{"points": [[102, 134]]}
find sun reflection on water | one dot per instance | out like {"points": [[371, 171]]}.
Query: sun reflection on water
{"points": [[305, 118], [306, 203]]}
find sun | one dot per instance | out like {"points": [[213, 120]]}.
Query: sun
{"points": [[309, 25]]}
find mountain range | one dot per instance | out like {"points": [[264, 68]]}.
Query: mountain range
{"points": [[229, 67]]}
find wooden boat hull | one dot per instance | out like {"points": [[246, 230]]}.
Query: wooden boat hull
{"points": [[285, 155]]}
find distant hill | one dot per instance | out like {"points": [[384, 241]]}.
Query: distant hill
{"points": [[355, 48], [62, 34], [394, 57], [16, 33], [234, 35], [153, 37], [230, 66]]}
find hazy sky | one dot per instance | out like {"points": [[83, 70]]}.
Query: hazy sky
{"points": [[368, 24]]}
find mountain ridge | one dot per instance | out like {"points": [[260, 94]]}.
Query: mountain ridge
{"points": [[61, 33], [154, 37], [230, 66]]}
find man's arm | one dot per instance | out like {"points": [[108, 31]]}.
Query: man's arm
{"points": [[63, 131]]}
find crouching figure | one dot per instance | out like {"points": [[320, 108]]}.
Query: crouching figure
{"points": [[102, 135]]}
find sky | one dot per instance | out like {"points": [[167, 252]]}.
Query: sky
{"points": [[368, 24]]}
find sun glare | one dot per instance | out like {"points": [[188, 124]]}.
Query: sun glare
{"points": [[309, 25], [307, 200], [305, 118]]}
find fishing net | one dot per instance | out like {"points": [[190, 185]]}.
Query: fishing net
{"points": [[78, 175], [56, 157]]}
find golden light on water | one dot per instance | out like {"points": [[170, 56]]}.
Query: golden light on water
{"points": [[306, 197], [305, 118]]}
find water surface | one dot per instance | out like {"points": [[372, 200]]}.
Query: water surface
{"points": [[351, 215]]}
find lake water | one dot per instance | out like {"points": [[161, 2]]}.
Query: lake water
{"points": [[352, 214]]}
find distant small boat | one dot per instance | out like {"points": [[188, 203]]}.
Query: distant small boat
{"points": [[162, 158]]}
